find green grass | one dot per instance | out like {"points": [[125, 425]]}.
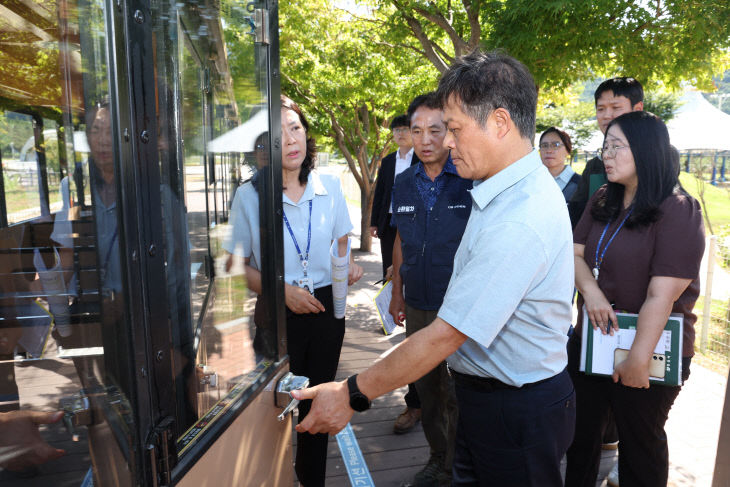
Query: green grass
{"points": [[20, 197], [717, 200]]}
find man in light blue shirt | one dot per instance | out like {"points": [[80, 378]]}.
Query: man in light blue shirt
{"points": [[517, 317], [505, 317]]}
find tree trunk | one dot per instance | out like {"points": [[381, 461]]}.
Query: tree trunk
{"points": [[366, 207]]}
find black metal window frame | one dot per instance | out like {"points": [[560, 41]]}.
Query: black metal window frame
{"points": [[133, 101]]}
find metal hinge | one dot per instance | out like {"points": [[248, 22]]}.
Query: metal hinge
{"points": [[261, 20], [161, 448]]}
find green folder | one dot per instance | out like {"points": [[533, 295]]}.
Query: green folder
{"points": [[595, 182], [599, 356]]}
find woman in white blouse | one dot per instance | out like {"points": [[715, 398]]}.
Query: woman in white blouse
{"points": [[315, 214]]}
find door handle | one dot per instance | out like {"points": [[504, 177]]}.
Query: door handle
{"points": [[77, 412], [286, 384]]}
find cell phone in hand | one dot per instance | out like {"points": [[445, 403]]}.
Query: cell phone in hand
{"points": [[657, 366]]}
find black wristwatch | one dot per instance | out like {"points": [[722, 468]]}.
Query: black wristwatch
{"points": [[358, 401]]}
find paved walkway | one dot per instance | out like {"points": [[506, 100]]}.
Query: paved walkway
{"points": [[692, 428]]}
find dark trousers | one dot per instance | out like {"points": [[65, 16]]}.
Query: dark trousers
{"points": [[387, 239], [314, 342], [439, 412], [510, 437], [411, 397], [640, 415]]}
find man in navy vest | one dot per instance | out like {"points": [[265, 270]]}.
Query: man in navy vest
{"points": [[431, 205]]}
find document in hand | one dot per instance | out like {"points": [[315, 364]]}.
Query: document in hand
{"points": [[601, 353], [340, 270], [382, 304]]}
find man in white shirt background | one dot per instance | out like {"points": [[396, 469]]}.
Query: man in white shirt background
{"points": [[391, 165]]}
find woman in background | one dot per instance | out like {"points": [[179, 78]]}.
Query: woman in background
{"points": [[555, 148]]}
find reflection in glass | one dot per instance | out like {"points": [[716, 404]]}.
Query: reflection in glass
{"points": [[63, 339], [208, 63], [194, 170]]}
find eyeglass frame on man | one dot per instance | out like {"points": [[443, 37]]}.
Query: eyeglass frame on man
{"points": [[610, 152], [401, 130]]}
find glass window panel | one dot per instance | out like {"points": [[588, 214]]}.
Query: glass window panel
{"points": [[56, 166], [20, 166], [63, 336], [223, 96], [194, 167]]}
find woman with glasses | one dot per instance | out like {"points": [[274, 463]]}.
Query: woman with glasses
{"points": [[555, 148], [314, 215], [638, 248]]}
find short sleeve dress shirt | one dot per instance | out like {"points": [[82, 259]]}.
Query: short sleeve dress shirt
{"points": [[401, 164], [512, 285], [672, 246], [564, 177], [107, 236], [330, 221]]}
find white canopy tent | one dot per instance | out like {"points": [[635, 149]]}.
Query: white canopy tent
{"points": [[241, 138], [699, 125]]}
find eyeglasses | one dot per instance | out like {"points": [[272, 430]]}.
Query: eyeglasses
{"points": [[401, 130], [610, 152], [550, 145]]}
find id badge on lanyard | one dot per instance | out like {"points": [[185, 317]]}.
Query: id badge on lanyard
{"points": [[304, 282]]}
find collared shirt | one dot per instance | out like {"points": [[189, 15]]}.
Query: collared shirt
{"points": [[564, 177], [512, 285], [430, 190], [401, 164], [330, 221], [107, 236]]}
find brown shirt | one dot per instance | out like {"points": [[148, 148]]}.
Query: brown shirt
{"points": [[671, 247]]}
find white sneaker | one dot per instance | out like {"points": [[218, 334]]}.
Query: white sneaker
{"points": [[613, 476]]}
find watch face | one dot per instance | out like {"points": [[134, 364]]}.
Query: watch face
{"points": [[359, 402]]}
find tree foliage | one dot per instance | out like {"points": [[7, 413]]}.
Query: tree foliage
{"points": [[575, 117], [564, 41], [349, 83], [353, 71]]}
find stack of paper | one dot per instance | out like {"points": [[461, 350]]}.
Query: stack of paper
{"points": [[340, 271], [382, 304], [54, 287]]}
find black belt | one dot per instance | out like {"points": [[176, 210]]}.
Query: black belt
{"points": [[489, 384]]}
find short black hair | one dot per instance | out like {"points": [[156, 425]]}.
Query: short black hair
{"points": [[656, 170], [563, 136], [399, 121], [621, 86], [484, 81], [428, 100]]}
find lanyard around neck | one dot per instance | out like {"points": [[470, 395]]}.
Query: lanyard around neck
{"points": [[303, 258], [598, 260]]}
